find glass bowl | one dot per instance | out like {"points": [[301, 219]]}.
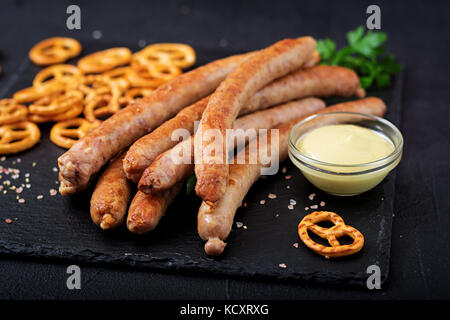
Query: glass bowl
{"points": [[345, 180]]}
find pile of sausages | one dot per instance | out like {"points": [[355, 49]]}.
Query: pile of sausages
{"points": [[272, 88]]}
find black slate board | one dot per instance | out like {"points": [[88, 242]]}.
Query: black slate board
{"points": [[60, 227]]}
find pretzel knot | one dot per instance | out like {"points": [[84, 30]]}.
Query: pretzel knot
{"points": [[18, 137], [177, 54], [54, 50], [66, 134], [105, 60], [340, 229], [11, 111]]}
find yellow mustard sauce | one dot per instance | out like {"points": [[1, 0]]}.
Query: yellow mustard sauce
{"points": [[344, 145]]}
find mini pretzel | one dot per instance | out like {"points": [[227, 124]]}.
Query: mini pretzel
{"points": [[54, 50], [67, 115], [101, 106], [135, 93], [331, 234], [18, 137], [57, 103], [66, 134], [57, 74], [31, 94], [11, 111], [105, 60], [120, 76], [154, 74], [177, 54]]}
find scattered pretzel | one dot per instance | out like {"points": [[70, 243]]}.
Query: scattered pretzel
{"points": [[105, 60], [120, 76], [330, 234], [57, 103], [177, 54], [67, 115], [54, 50], [66, 134], [59, 74], [11, 111], [31, 94], [154, 74], [18, 137], [135, 93]]}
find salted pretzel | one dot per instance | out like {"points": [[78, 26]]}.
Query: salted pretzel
{"points": [[151, 74], [105, 60], [11, 111], [54, 50], [56, 104], [340, 229], [177, 54], [59, 74], [65, 134], [18, 137]]}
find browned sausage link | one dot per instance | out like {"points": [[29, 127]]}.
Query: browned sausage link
{"points": [[316, 81], [142, 153], [166, 170], [146, 210], [232, 94], [215, 221], [111, 196], [90, 153]]}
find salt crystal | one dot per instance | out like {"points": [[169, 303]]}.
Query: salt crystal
{"points": [[295, 245], [322, 203], [290, 207], [239, 224], [272, 196], [262, 202], [282, 265]]}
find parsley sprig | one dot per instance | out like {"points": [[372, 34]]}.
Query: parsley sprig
{"points": [[365, 54]]}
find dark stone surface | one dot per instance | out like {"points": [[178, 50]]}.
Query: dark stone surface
{"points": [[419, 36]]}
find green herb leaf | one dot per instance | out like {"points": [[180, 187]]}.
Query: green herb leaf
{"points": [[383, 80], [366, 82], [354, 36], [364, 54], [326, 48]]}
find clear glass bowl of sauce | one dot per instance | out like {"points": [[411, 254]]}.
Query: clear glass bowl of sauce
{"points": [[345, 153]]}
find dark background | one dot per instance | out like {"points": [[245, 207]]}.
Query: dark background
{"points": [[419, 35]]}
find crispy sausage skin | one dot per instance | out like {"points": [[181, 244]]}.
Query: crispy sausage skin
{"points": [[142, 153], [165, 171], [90, 153], [215, 220], [226, 102], [111, 196], [319, 81], [146, 210]]}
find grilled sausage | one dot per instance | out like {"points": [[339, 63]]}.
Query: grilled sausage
{"points": [[167, 170], [226, 102], [146, 210], [319, 81], [215, 220], [111, 196], [89, 154]]}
